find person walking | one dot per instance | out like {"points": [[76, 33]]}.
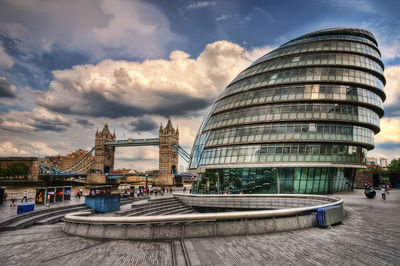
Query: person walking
{"points": [[383, 191], [25, 197], [13, 198]]}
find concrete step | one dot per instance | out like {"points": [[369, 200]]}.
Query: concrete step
{"points": [[177, 208], [162, 199], [147, 206], [28, 221], [167, 210], [162, 211], [57, 218], [148, 209], [36, 212]]}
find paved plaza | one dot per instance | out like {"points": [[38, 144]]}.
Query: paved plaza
{"points": [[370, 235]]}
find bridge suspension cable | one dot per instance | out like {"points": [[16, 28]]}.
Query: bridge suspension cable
{"points": [[85, 167], [80, 166], [77, 164], [184, 154]]}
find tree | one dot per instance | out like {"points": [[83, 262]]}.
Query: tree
{"points": [[3, 172], [17, 169], [394, 165]]}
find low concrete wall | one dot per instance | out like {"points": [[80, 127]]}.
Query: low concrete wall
{"points": [[207, 224], [188, 230]]}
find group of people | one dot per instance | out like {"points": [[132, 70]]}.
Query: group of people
{"points": [[150, 191], [384, 190], [13, 198]]}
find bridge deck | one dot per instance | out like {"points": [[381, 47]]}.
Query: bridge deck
{"points": [[133, 142]]}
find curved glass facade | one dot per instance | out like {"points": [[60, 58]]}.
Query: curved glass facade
{"points": [[298, 120]]}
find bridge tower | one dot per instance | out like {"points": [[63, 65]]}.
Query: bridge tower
{"points": [[168, 157], [104, 157]]}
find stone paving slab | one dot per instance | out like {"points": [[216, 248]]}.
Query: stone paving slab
{"points": [[119, 253], [370, 235]]}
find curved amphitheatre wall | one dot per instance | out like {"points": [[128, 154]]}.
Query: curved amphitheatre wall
{"points": [[290, 212]]}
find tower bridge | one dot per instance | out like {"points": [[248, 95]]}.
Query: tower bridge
{"points": [[99, 170]]}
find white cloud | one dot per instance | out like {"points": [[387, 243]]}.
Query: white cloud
{"points": [[16, 125], [28, 149], [7, 148], [201, 4], [5, 60], [392, 87], [223, 17], [39, 119], [42, 149], [391, 50], [178, 86], [42, 114], [390, 130]]}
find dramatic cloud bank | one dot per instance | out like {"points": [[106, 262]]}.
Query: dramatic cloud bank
{"points": [[111, 27], [178, 86]]}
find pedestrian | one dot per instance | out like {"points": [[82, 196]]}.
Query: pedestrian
{"points": [[138, 193], [5, 196], [13, 198], [25, 197], [383, 191], [190, 191], [170, 190]]}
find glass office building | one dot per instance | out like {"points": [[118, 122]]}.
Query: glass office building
{"points": [[298, 120]]}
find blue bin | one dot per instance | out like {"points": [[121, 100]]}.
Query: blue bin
{"points": [[28, 207], [103, 203]]}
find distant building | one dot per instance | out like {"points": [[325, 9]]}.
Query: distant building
{"points": [[28, 161], [64, 162], [383, 162], [371, 162]]}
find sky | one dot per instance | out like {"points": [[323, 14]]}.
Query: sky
{"points": [[67, 67]]}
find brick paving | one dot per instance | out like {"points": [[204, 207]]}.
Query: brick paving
{"points": [[370, 235]]}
